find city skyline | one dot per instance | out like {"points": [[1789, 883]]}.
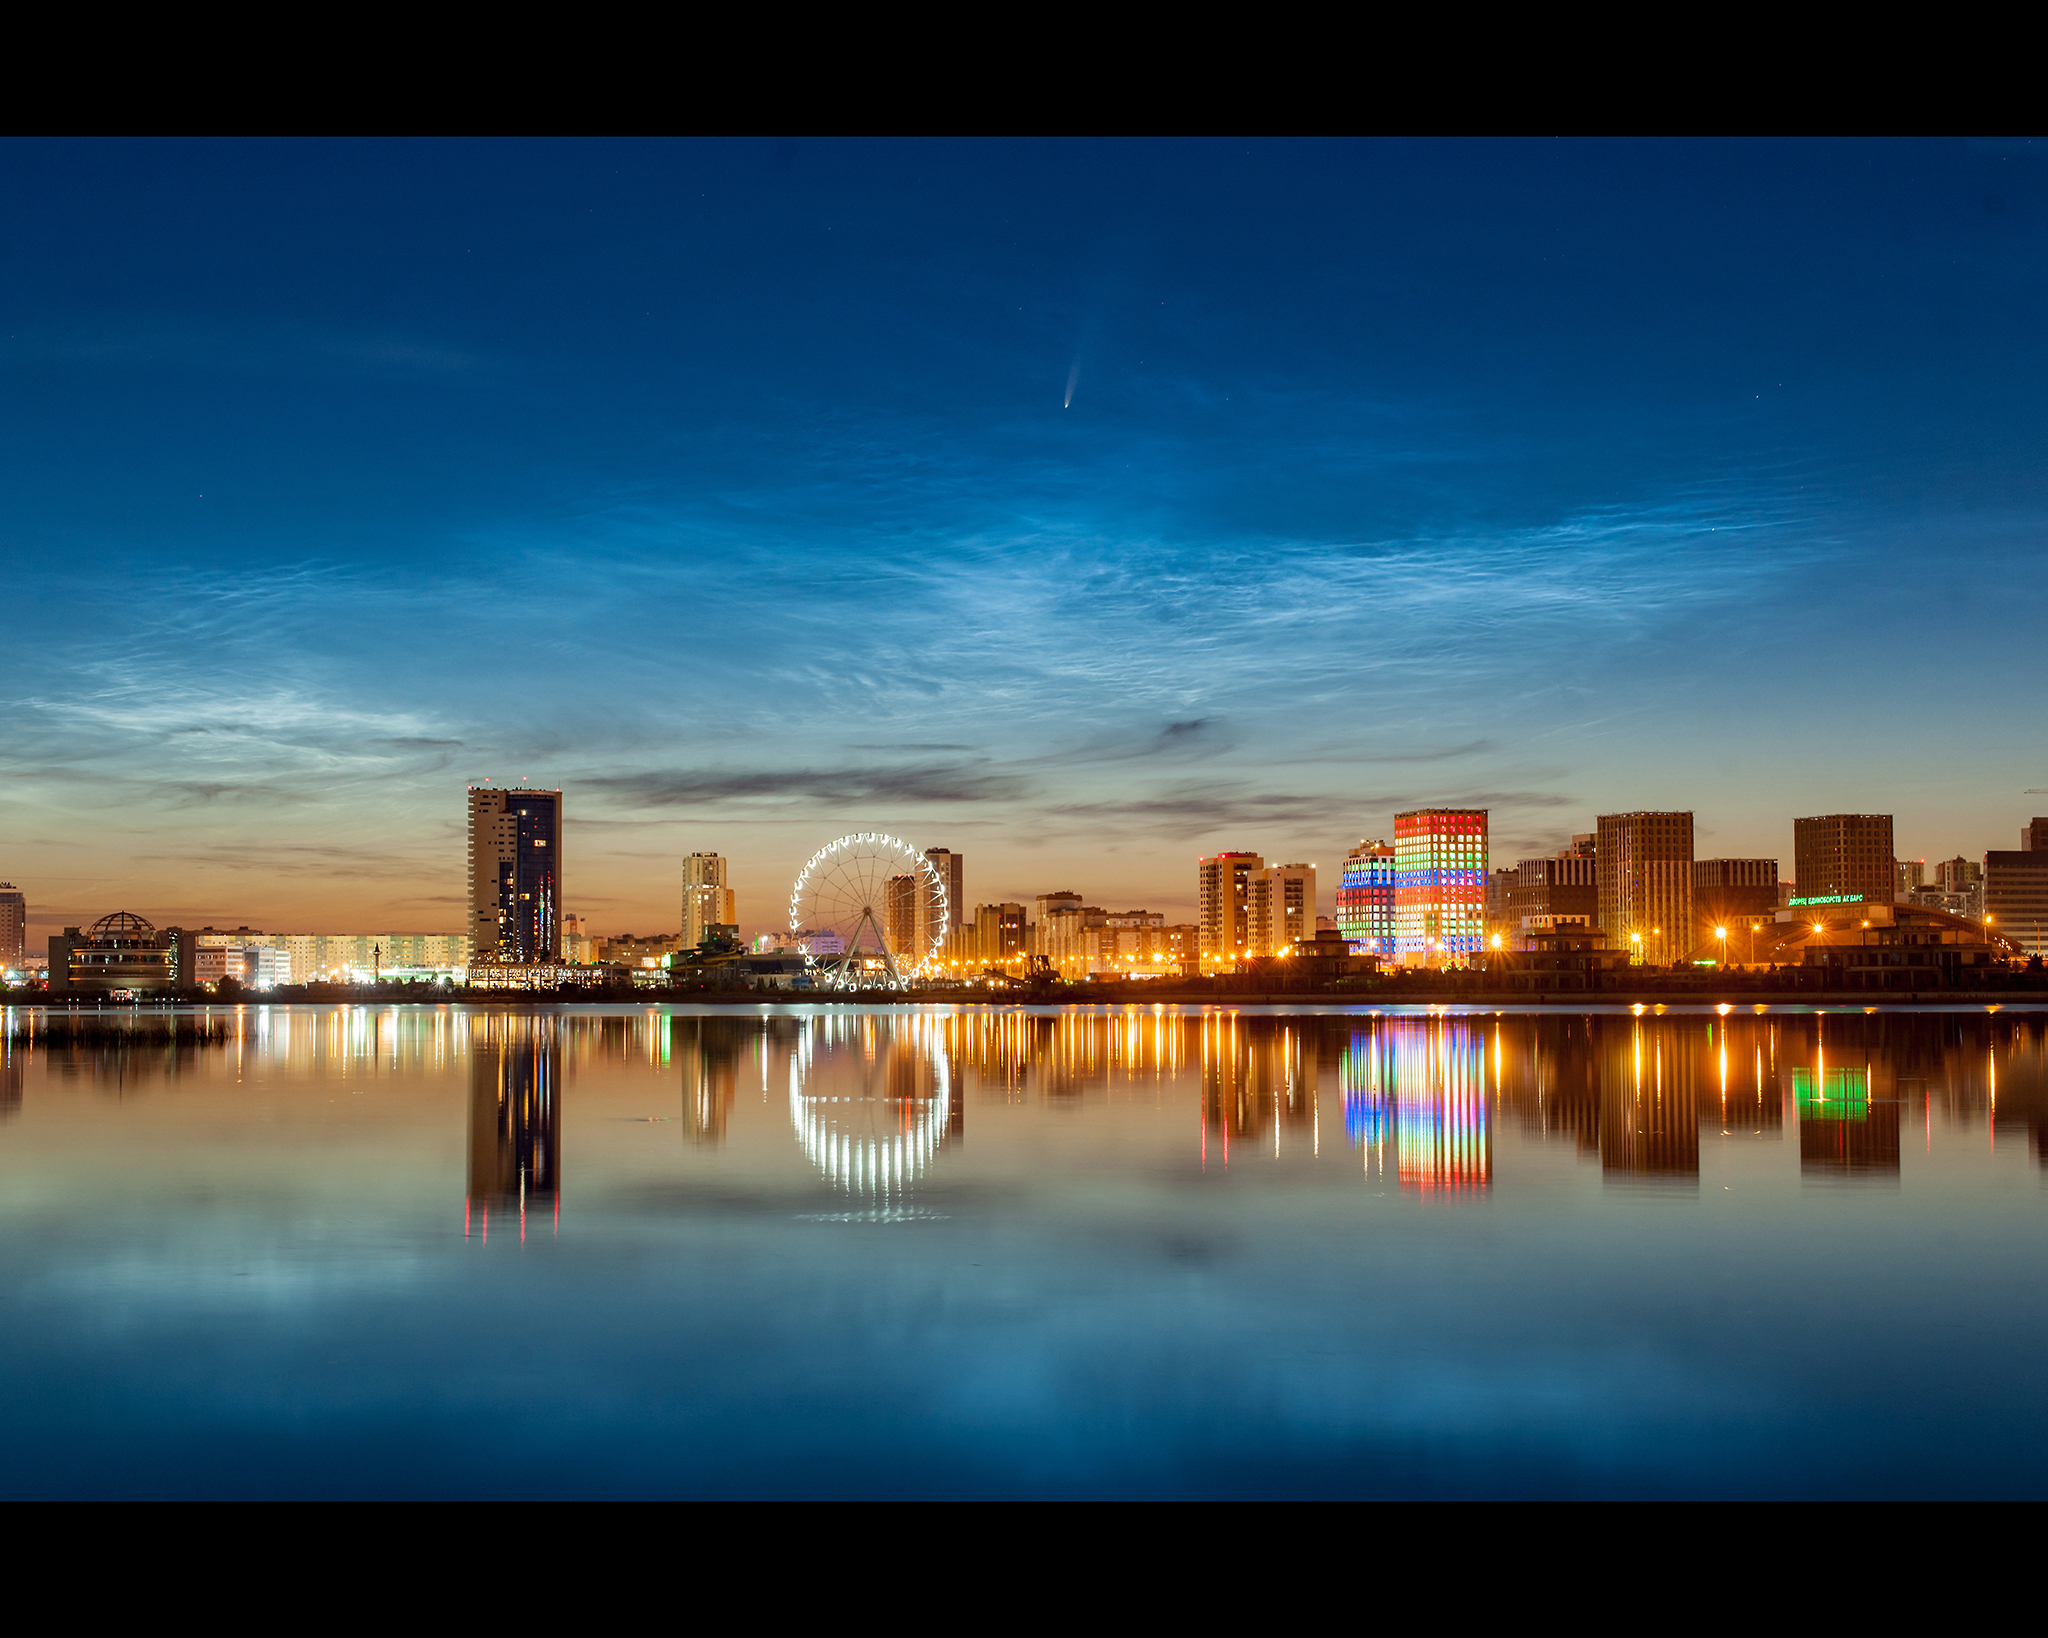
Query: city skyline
{"points": [[1083, 508]]}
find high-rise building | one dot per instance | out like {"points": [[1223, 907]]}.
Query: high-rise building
{"points": [[903, 910], [1844, 858], [13, 927], [1645, 870], [1500, 886], [1912, 875], [515, 875], [1285, 913], [1001, 932], [1224, 894], [2034, 837], [1048, 904], [2016, 897], [1365, 900], [708, 900], [1439, 884], [1565, 884], [952, 869]]}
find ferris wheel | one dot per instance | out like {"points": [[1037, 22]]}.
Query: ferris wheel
{"points": [[876, 910]]}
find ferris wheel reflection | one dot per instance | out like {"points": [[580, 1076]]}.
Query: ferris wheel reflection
{"points": [[873, 1101]]}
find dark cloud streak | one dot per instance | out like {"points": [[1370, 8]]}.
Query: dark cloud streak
{"points": [[967, 782]]}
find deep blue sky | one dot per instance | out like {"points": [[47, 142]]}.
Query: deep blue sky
{"points": [[734, 488]]}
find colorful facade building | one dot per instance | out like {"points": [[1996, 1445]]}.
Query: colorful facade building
{"points": [[1365, 899], [1439, 885]]}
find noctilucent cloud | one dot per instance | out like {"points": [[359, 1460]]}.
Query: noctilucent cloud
{"points": [[1081, 507]]}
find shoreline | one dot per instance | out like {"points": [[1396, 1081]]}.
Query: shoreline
{"points": [[2031, 999]]}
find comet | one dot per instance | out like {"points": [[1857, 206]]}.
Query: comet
{"points": [[1073, 376]]}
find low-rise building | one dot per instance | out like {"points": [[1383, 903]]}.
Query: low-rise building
{"points": [[646, 952], [1327, 956], [253, 966], [579, 945], [1864, 945], [1556, 953], [346, 958], [1083, 941], [1969, 903]]}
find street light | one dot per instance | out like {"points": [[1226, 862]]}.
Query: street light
{"points": [[1721, 933]]}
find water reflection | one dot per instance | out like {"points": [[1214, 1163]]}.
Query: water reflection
{"points": [[1178, 1238], [873, 1101], [1415, 1092], [708, 1054], [1257, 1081], [515, 1121], [876, 1098]]}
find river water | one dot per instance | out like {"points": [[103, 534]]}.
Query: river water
{"points": [[807, 1251]]}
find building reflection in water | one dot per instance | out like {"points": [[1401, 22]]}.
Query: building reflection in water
{"points": [[873, 1099], [876, 1098], [1258, 1080], [1649, 1106], [710, 1053], [1848, 1098], [1365, 1075], [515, 1121], [1418, 1087], [10, 1075]]}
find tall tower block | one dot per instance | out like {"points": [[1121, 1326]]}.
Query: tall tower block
{"points": [[515, 875]]}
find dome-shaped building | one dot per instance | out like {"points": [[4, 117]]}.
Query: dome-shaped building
{"points": [[118, 952]]}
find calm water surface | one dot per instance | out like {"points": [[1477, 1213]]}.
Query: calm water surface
{"points": [[643, 1252]]}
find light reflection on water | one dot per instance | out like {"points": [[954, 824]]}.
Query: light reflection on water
{"points": [[1130, 1252]]}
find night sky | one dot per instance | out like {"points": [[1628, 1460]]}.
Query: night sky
{"points": [[1082, 507]]}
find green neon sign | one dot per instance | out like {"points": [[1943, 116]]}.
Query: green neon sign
{"points": [[1829, 898]]}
